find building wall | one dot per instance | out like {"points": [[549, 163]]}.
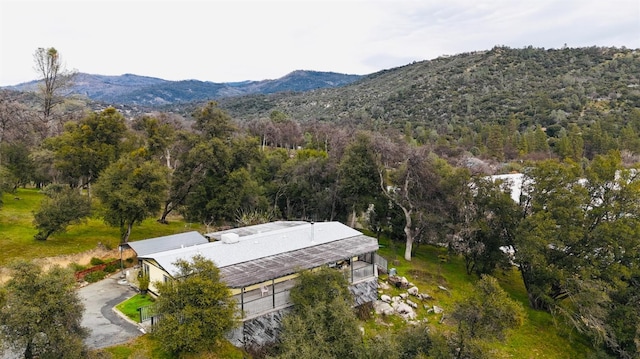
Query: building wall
{"points": [[156, 274], [365, 291], [258, 331]]}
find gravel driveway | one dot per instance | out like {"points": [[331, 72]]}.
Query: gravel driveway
{"points": [[107, 327]]}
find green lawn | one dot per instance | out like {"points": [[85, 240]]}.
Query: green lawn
{"points": [[130, 306], [17, 231], [538, 337]]}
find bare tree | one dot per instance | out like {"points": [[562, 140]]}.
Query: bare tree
{"points": [[54, 77]]}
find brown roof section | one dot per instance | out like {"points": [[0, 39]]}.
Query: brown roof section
{"points": [[267, 268]]}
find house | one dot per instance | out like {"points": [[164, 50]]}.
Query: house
{"points": [[260, 263]]}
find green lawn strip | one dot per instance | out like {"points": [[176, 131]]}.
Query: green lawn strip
{"points": [[130, 306]]}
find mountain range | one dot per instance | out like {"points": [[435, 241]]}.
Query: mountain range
{"points": [[129, 89]]}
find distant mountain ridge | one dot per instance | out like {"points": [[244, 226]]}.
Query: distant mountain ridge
{"points": [[130, 89]]}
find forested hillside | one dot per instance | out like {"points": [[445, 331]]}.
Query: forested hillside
{"points": [[485, 102]]}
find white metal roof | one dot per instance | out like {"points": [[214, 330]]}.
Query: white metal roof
{"points": [[275, 240], [161, 244]]}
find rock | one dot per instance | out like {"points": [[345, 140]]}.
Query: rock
{"points": [[385, 298], [384, 286], [430, 310], [394, 281], [396, 299], [437, 309], [404, 310], [413, 291], [443, 288], [424, 296], [412, 304], [383, 308], [404, 295], [404, 282]]}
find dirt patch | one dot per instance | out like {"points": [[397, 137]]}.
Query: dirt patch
{"points": [[83, 258]]}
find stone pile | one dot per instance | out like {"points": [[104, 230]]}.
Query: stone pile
{"points": [[404, 304]]}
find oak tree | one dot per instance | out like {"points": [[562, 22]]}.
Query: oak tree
{"points": [[131, 190], [195, 308], [41, 313]]}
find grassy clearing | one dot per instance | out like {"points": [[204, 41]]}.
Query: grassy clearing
{"points": [[130, 306], [17, 231], [539, 337]]}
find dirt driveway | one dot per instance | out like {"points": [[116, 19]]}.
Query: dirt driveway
{"points": [[107, 327]]}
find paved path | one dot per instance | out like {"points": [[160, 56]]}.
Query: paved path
{"points": [[107, 327]]}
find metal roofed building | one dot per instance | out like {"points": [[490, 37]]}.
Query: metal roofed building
{"points": [[260, 263]]}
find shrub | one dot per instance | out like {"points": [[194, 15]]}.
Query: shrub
{"points": [[77, 267], [96, 261], [110, 268], [95, 276]]}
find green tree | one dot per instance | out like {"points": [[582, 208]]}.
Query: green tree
{"points": [[323, 324], [41, 313], [213, 122], [484, 221], [157, 135], [577, 246], [307, 186], [415, 185], [495, 142], [196, 308], [358, 176], [61, 207], [131, 190], [486, 314], [6, 182], [87, 147], [16, 159]]}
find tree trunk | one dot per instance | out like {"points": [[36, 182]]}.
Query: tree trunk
{"points": [[28, 352], [352, 222], [127, 233], [408, 248], [168, 158], [408, 233]]}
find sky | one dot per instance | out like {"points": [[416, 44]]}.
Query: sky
{"points": [[229, 41]]}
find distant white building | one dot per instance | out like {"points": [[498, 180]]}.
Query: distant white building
{"points": [[515, 181]]}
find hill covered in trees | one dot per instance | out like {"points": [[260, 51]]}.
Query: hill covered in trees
{"points": [[484, 102]]}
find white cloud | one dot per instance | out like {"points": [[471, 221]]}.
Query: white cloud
{"points": [[224, 41]]}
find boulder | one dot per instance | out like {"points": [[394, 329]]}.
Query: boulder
{"points": [[413, 291], [383, 308], [404, 295], [384, 286], [412, 304], [437, 309], [385, 298]]}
